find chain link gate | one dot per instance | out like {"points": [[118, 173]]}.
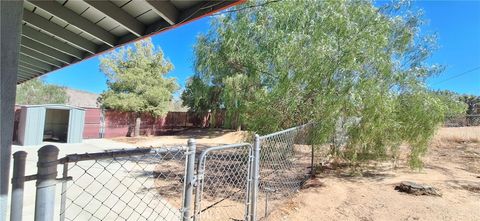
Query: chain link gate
{"points": [[224, 176]]}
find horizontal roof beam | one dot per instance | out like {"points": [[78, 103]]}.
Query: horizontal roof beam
{"points": [[30, 67], [29, 43], [36, 63], [76, 20], [21, 78], [123, 18], [40, 57], [29, 71], [64, 34], [166, 10], [23, 74], [157, 26], [51, 42]]}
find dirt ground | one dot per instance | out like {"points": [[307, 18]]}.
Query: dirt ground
{"points": [[204, 137], [452, 165]]}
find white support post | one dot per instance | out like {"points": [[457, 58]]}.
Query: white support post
{"points": [[11, 22]]}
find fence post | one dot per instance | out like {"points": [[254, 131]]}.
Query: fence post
{"points": [[46, 181], [189, 180], [63, 201], [198, 190], [255, 176], [18, 182], [312, 163]]}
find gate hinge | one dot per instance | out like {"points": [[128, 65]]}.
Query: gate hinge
{"points": [[197, 178], [64, 179]]}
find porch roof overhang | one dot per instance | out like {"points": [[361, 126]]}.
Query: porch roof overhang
{"points": [[58, 33]]}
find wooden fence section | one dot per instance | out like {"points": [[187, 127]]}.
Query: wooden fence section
{"points": [[93, 123], [108, 123]]}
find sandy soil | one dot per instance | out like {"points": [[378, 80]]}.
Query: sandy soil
{"points": [[204, 137], [452, 165]]}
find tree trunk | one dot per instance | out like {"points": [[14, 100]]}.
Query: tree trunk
{"points": [[237, 122], [136, 132], [154, 126]]}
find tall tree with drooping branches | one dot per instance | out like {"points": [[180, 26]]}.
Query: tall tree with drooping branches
{"points": [[290, 62]]}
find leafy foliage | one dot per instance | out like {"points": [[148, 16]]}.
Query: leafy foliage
{"points": [[136, 80], [36, 91], [327, 61], [472, 102]]}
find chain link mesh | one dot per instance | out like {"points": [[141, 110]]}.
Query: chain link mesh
{"points": [[224, 181], [463, 121], [286, 160], [148, 186]]}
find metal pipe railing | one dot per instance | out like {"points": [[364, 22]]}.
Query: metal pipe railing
{"points": [[46, 183], [18, 183]]}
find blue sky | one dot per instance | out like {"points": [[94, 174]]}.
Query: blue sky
{"points": [[177, 45], [457, 24]]}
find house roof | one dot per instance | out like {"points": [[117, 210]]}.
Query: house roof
{"points": [[53, 106], [58, 33]]}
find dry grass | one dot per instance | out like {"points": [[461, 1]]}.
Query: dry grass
{"points": [[458, 135], [458, 144]]}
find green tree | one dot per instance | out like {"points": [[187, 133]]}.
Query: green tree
{"points": [[137, 82], [472, 102], [201, 98], [36, 91], [290, 62]]}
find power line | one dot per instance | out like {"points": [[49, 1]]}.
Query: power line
{"points": [[246, 7], [458, 75]]}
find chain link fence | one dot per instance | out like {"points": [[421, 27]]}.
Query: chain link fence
{"points": [[463, 121], [232, 182], [287, 161], [137, 184]]}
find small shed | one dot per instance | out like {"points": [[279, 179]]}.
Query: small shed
{"points": [[50, 122]]}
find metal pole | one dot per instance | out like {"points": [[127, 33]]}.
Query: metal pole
{"points": [[189, 179], [255, 176], [248, 201], [312, 163], [63, 202], [198, 190], [267, 190], [18, 182], [46, 181]]}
